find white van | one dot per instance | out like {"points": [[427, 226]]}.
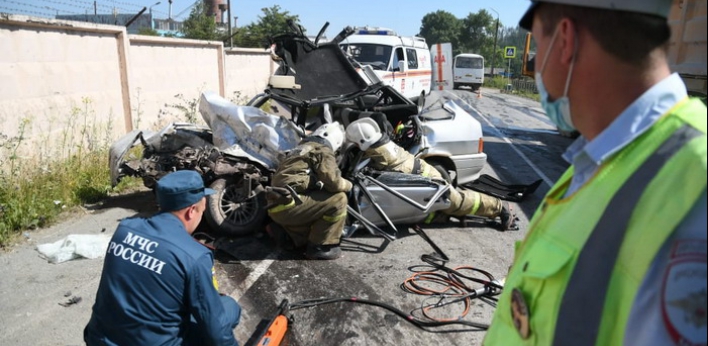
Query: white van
{"points": [[401, 62], [468, 70]]}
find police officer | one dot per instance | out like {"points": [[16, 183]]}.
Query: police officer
{"points": [[386, 155], [316, 217], [158, 285], [616, 253]]}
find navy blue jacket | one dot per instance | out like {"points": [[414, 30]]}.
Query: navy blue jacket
{"points": [[155, 276]]}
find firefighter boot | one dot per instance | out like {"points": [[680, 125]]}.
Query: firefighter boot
{"points": [[508, 218], [323, 252]]}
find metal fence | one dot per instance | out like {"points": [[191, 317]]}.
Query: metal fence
{"points": [[525, 85]]}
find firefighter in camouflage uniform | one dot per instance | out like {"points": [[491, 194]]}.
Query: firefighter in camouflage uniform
{"points": [[386, 155], [311, 171]]}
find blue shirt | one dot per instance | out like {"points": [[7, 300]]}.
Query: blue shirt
{"points": [[586, 157], [654, 319], [155, 278]]}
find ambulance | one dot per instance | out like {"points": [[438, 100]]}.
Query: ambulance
{"points": [[402, 62]]}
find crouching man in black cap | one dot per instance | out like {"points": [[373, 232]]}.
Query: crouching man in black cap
{"points": [[158, 285]]}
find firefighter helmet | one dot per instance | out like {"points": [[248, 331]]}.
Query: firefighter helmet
{"points": [[332, 133], [364, 133]]}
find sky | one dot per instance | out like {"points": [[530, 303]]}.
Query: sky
{"points": [[404, 17]]}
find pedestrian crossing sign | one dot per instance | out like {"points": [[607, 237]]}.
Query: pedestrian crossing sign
{"points": [[509, 52]]}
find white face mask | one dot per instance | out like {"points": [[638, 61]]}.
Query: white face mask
{"points": [[559, 110]]}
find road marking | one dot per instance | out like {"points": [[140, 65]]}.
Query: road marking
{"points": [[506, 139], [255, 274], [263, 266], [524, 129]]}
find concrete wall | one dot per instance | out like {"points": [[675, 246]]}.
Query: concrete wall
{"points": [[59, 78], [245, 68], [162, 68]]}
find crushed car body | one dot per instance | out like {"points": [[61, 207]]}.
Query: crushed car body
{"points": [[237, 152]]}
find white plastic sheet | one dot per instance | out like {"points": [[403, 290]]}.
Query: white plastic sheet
{"points": [[75, 246]]}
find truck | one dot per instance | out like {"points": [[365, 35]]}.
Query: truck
{"points": [[402, 62], [687, 46], [442, 66], [462, 70]]}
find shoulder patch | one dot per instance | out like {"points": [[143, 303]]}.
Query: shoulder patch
{"points": [[683, 293]]}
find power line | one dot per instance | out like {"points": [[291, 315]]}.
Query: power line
{"points": [[59, 7], [38, 7], [16, 10], [186, 9]]}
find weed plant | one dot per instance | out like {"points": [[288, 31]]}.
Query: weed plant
{"points": [[40, 179], [53, 174], [500, 83]]}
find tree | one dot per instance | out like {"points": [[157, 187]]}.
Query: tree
{"points": [[513, 36], [199, 25], [440, 27], [272, 23], [148, 32], [477, 34]]}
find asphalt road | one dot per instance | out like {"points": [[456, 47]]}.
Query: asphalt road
{"points": [[522, 147]]}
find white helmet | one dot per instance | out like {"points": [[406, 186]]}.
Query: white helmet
{"points": [[364, 133], [332, 133]]}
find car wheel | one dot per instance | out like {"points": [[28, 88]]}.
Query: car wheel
{"points": [[229, 212]]}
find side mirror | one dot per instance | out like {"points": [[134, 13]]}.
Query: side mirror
{"points": [[402, 66]]}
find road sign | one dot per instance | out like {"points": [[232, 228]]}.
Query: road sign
{"points": [[509, 52]]}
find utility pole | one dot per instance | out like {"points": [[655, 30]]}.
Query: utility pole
{"points": [[152, 21], [496, 31], [231, 40]]}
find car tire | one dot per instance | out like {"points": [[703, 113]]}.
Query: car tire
{"points": [[443, 171], [231, 214]]}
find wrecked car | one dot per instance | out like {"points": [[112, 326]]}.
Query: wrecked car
{"points": [[237, 152], [235, 155]]}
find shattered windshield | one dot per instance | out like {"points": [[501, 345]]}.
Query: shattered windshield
{"points": [[376, 55]]}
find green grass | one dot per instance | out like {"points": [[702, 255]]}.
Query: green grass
{"points": [[501, 82], [496, 82], [37, 196], [66, 171], [61, 173]]}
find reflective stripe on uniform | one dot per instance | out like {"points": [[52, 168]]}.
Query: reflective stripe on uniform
{"points": [[581, 308], [477, 200], [334, 218], [279, 208], [425, 171], [213, 278], [430, 218]]}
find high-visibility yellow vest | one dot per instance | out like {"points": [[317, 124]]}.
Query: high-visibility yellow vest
{"points": [[594, 311]]}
